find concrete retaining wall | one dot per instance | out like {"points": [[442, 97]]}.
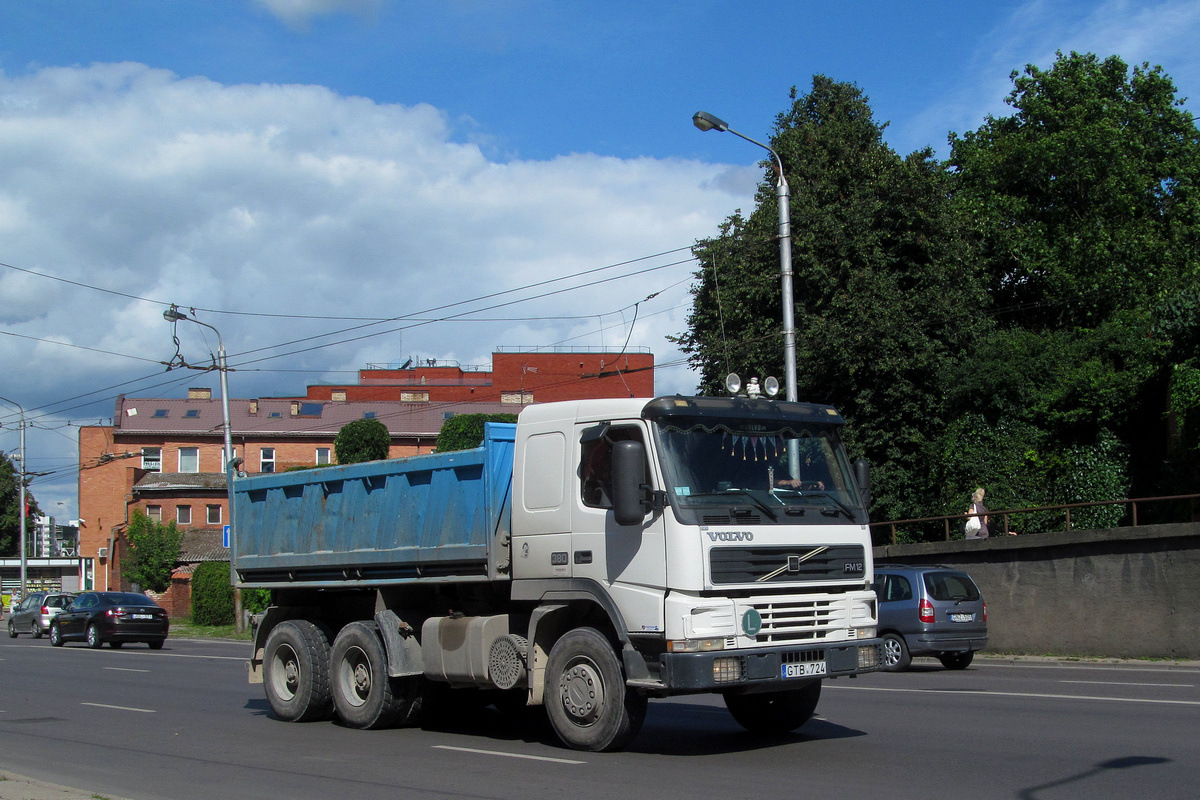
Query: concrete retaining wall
{"points": [[1122, 593]]}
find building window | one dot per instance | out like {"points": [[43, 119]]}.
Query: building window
{"points": [[415, 397], [183, 515], [322, 456], [191, 413], [338, 397], [516, 398], [214, 515], [161, 412], [189, 459], [154, 513], [152, 459], [267, 462]]}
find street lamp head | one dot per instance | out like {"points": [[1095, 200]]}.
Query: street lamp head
{"points": [[173, 314], [707, 122]]}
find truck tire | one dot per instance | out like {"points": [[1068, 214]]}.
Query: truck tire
{"points": [[363, 694], [774, 712], [896, 657], [586, 698], [296, 671]]}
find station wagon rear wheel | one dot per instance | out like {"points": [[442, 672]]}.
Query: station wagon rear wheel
{"points": [[959, 660]]}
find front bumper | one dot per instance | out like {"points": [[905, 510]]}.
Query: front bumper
{"points": [[762, 669]]}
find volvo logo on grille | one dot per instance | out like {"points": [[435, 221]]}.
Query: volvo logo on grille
{"points": [[730, 536]]}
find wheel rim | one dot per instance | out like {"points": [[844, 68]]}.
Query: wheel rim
{"points": [[285, 677], [355, 677], [92, 635], [891, 652], [581, 690], [54, 634]]}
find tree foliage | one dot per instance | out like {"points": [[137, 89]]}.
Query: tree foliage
{"points": [[362, 440], [212, 594], [1024, 316], [465, 431], [154, 553], [10, 507]]}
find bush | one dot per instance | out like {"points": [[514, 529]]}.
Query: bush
{"points": [[465, 431], [212, 594], [362, 440]]}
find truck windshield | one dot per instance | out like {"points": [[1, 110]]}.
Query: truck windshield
{"points": [[729, 471]]}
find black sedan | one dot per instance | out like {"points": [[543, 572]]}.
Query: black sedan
{"points": [[113, 617]]}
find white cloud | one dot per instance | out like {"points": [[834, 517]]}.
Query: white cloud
{"points": [[298, 14], [295, 200]]}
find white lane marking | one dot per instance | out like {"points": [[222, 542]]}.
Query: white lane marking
{"points": [[507, 755], [1123, 683], [126, 669], [1020, 694], [120, 708]]}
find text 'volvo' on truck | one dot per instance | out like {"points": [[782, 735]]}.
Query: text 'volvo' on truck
{"points": [[594, 555]]}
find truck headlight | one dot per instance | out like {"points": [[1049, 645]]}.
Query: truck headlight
{"points": [[695, 645]]}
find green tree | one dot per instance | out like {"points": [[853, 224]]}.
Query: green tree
{"points": [[212, 594], [885, 286], [465, 431], [155, 551], [10, 507], [1085, 207], [362, 440]]}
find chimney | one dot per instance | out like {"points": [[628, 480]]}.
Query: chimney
{"points": [[200, 394]]}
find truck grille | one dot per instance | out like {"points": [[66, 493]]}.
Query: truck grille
{"points": [[770, 565], [799, 620]]}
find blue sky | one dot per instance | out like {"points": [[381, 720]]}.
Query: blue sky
{"points": [[350, 159]]}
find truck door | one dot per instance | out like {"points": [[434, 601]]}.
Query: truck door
{"points": [[629, 559]]}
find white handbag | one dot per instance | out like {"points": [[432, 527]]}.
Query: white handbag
{"points": [[973, 523]]}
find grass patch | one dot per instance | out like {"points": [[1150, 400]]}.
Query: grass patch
{"points": [[184, 629]]}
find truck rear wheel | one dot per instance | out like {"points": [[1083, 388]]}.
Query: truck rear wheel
{"points": [[774, 712], [363, 694], [586, 698], [296, 671]]}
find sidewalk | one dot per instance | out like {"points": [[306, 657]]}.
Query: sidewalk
{"points": [[18, 787]]}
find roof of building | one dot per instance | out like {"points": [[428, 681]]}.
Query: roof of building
{"points": [[202, 544], [180, 481], [287, 417]]}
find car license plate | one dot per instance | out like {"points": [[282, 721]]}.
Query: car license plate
{"points": [[962, 617], [142, 616], [804, 670]]}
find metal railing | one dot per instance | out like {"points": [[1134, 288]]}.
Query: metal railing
{"points": [[1130, 516]]}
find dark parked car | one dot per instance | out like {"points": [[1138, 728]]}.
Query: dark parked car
{"points": [[33, 614], [113, 617], [929, 610]]}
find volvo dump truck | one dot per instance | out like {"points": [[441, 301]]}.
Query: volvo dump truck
{"points": [[592, 556]]}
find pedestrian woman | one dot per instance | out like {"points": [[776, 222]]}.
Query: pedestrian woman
{"points": [[977, 525]]}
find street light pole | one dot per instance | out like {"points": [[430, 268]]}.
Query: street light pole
{"points": [[21, 499], [173, 314], [707, 122]]}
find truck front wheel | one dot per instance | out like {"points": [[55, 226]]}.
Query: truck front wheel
{"points": [[587, 701], [296, 671], [774, 712]]}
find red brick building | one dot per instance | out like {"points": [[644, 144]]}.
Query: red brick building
{"points": [[163, 456]]}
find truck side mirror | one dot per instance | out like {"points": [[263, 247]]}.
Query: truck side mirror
{"points": [[862, 476], [630, 502]]}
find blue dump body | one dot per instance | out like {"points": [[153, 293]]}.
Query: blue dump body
{"points": [[426, 518]]}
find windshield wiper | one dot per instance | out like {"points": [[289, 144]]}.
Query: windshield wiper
{"points": [[748, 494], [842, 508]]}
